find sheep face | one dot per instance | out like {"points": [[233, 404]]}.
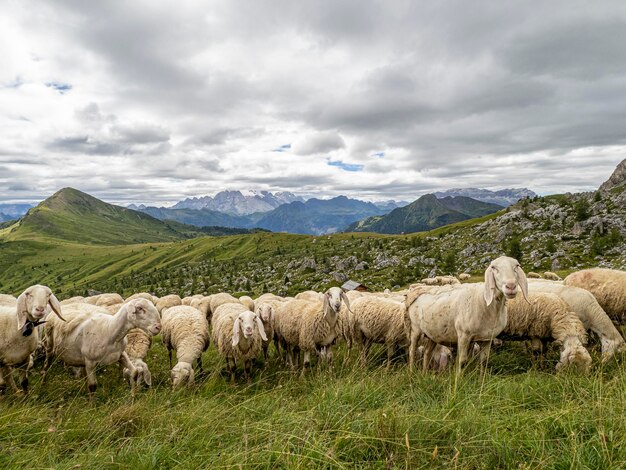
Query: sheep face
{"points": [[245, 324], [32, 306], [333, 298], [505, 274], [141, 375], [265, 312], [144, 315], [182, 374], [574, 355]]}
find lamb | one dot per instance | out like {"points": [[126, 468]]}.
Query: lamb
{"points": [[588, 310], [533, 275], [551, 276], [464, 277], [548, 318], [94, 338], [378, 320], [168, 301], [238, 335], [19, 336], [186, 331], [310, 325], [608, 286], [464, 313], [247, 301], [105, 300]]}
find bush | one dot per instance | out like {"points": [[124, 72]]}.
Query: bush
{"points": [[513, 248]]}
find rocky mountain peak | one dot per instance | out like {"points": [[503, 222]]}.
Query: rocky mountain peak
{"points": [[618, 177]]}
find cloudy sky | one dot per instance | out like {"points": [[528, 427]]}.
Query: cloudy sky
{"points": [[149, 101]]}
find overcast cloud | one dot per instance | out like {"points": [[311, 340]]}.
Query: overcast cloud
{"points": [[152, 102]]}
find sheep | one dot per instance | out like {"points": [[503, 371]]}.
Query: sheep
{"points": [[141, 295], [168, 301], [548, 318], [203, 304], [7, 300], [94, 338], [310, 295], [445, 280], [92, 299], [238, 335], [265, 311], [142, 374], [247, 301], [310, 325], [73, 300], [464, 313], [19, 335], [221, 299], [608, 286], [533, 275], [551, 276], [105, 300], [268, 296], [464, 277], [430, 281], [440, 357], [378, 320], [187, 300], [186, 331], [589, 311]]}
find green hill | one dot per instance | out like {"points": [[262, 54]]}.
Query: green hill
{"points": [[426, 213]]}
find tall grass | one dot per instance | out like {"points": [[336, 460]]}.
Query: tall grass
{"points": [[514, 415]]}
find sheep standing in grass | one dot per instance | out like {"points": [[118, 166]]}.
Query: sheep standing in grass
{"points": [[465, 313], [94, 338], [608, 286], [533, 275], [19, 335], [238, 335], [310, 326], [265, 311], [378, 320], [186, 331], [547, 318], [168, 301], [585, 305], [549, 275], [247, 301], [464, 277]]}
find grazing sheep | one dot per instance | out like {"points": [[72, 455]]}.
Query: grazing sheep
{"points": [[464, 313], [168, 301], [547, 318], [238, 336], [141, 295], [608, 286], [247, 301], [141, 376], [19, 335], [92, 338], [378, 320], [105, 300], [430, 281], [310, 326], [464, 277], [186, 331], [549, 275], [221, 299], [310, 295], [533, 275], [73, 300], [585, 305], [187, 300]]}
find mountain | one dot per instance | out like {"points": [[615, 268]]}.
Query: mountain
{"points": [[235, 202], [618, 178], [390, 205], [72, 215], [13, 211], [503, 197], [426, 213], [316, 216], [197, 217]]}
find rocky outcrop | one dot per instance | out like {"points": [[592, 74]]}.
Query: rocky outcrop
{"points": [[618, 177]]}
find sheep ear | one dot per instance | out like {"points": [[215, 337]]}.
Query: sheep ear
{"points": [[522, 281], [259, 323], [347, 302], [490, 285], [147, 377], [236, 328], [443, 362], [22, 318], [326, 303], [55, 305]]}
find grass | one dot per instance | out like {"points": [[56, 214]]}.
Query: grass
{"points": [[516, 415]]}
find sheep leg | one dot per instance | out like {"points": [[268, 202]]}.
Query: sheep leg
{"points": [[391, 349], [463, 345], [3, 384], [231, 368], [247, 369], [125, 361], [538, 350], [485, 349], [277, 347], [199, 364], [169, 350], [92, 382], [415, 336], [265, 348], [8, 374], [429, 347], [23, 374], [306, 361]]}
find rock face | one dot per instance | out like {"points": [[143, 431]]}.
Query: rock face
{"points": [[618, 177]]}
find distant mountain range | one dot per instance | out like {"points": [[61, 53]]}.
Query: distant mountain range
{"points": [[426, 213], [238, 203], [502, 197], [13, 211]]}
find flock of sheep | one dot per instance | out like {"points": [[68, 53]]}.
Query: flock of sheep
{"points": [[430, 319]]}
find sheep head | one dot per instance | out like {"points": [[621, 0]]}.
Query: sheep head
{"points": [[143, 314], [245, 324], [504, 275], [182, 374], [264, 311], [332, 300], [32, 306], [574, 355]]}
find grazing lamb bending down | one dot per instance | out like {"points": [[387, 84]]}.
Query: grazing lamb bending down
{"points": [[186, 331], [464, 277], [238, 335], [465, 313], [19, 335], [608, 286], [533, 275], [92, 338], [547, 318], [378, 320], [551, 276]]}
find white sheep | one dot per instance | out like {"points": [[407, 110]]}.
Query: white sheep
{"points": [[549, 275], [187, 300], [309, 326], [547, 318], [19, 335], [378, 320], [168, 301], [92, 338], [310, 295], [238, 335], [608, 286], [465, 313], [265, 311], [141, 295], [186, 331], [464, 277], [220, 299], [104, 300], [591, 314], [73, 300], [533, 275], [247, 301]]}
